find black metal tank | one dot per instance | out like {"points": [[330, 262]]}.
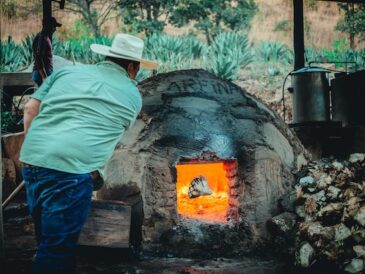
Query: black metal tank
{"points": [[311, 101]]}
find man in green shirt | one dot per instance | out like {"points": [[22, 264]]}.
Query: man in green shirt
{"points": [[72, 125]]}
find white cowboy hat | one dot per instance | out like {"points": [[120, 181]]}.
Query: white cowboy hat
{"points": [[125, 46]]}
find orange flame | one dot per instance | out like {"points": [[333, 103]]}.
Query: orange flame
{"points": [[210, 208]]}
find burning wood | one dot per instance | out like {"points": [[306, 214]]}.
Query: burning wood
{"points": [[199, 187]]}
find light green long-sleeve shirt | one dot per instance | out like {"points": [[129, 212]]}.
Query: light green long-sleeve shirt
{"points": [[84, 112]]}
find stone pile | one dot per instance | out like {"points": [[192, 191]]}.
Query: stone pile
{"points": [[325, 214]]}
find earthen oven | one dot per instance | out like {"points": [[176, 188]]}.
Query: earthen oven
{"points": [[195, 124]]}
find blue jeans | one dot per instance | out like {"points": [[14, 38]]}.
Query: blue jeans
{"points": [[59, 203], [37, 78]]}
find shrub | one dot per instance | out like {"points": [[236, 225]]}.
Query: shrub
{"points": [[270, 51], [227, 55], [11, 58], [172, 52], [27, 50]]}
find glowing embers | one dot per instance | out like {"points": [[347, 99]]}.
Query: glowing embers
{"points": [[199, 180]]}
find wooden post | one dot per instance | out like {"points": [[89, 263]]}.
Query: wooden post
{"points": [[1, 222], [1, 191], [47, 10], [299, 61]]}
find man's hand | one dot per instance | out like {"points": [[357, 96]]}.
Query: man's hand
{"points": [[31, 110]]}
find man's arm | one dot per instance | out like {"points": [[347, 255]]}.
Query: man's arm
{"points": [[31, 110]]}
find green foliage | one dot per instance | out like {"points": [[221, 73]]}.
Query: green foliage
{"points": [[8, 8], [27, 50], [214, 16], [94, 12], [12, 58], [313, 55], [227, 55], [311, 4], [282, 26], [210, 16], [19, 8], [80, 31], [172, 52], [145, 16], [340, 52], [270, 51], [353, 22], [7, 121], [78, 50]]}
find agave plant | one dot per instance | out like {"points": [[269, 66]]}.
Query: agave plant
{"points": [[172, 52], [228, 54], [270, 51], [11, 58], [27, 50]]}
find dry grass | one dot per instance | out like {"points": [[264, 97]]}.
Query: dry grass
{"points": [[320, 24]]}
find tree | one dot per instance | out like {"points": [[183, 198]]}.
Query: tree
{"points": [[213, 16], [149, 16], [210, 16], [353, 22], [94, 12]]}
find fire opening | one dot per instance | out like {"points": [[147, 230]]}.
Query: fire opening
{"points": [[202, 191]]}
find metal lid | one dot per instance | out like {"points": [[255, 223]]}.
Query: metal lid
{"points": [[310, 70]]}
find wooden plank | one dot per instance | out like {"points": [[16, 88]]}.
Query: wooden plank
{"points": [[108, 225], [16, 79]]}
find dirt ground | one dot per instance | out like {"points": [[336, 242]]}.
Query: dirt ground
{"points": [[109, 261]]}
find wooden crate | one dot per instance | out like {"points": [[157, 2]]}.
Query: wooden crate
{"points": [[108, 225]]}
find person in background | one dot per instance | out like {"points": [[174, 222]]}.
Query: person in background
{"points": [[42, 51], [72, 124]]}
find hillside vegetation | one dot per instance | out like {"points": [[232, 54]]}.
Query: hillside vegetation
{"points": [[272, 22]]}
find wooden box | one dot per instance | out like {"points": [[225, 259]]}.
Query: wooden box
{"points": [[108, 225]]}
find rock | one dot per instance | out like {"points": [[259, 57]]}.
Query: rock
{"points": [[351, 191], [315, 231], [359, 236], [320, 196], [356, 157], [306, 181], [299, 210], [355, 266], [342, 232], [331, 214], [359, 250], [287, 201], [337, 165], [330, 208], [332, 192], [282, 223], [324, 181], [310, 206], [305, 258], [360, 216], [353, 206]]}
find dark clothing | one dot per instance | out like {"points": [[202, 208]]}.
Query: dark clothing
{"points": [[42, 52], [37, 78], [59, 204]]}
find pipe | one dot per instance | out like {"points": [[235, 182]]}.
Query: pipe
{"points": [[298, 34]]}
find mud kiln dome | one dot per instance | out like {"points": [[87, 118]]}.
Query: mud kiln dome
{"points": [[207, 162]]}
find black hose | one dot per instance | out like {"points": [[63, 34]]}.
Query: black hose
{"points": [[21, 98], [283, 94]]}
